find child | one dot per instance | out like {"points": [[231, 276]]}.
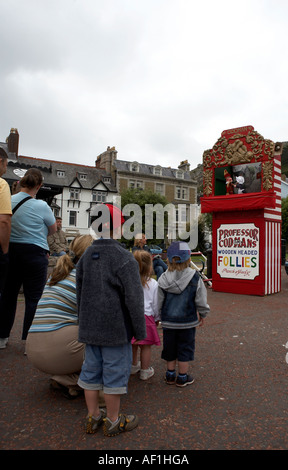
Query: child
{"points": [[111, 311], [151, 310], [181, 294]]}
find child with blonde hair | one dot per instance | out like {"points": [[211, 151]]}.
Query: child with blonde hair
{"points": [[151, 310], [183, 303]]}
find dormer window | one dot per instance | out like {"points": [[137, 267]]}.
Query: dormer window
{"points": [[83, 177], [134, 166], [157, 170], [60, 174], [180, 174], [107, 179]]}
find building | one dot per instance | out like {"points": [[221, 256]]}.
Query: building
{"points": [[175, 184], [72, 189]]}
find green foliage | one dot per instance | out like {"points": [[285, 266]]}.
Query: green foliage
{"points": [[141, 198], [285, 219], [203, 225], [284, 159]]}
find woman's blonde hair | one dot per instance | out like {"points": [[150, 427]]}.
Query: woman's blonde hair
{"points": [[67, 262], [144, 260]]}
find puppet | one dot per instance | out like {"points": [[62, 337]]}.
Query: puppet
{"points": [[229, 183]]}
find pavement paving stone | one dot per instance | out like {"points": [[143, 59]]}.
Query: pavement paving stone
{"points": [[237, 402]]}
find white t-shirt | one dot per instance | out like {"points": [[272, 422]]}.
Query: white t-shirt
{"points": [[151, 299]]}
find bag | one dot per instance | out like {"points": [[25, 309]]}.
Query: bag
{"points": [[20, 203]]}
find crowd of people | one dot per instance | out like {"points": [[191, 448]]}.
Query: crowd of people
{"points": [[92, 323]]}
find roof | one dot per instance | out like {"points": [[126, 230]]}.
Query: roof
{"points": [[49, 169], [145, 169]]}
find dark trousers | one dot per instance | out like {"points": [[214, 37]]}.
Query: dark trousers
{"points": [[159, 267], [4, 259], [28, 267]]}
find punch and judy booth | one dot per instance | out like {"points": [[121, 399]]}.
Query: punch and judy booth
{"points": [[242, 190]]}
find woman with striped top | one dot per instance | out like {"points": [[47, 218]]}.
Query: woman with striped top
{"points": [[52, 344]]}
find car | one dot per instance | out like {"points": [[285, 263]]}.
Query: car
{"points": [[286, 267], [155, 249]]}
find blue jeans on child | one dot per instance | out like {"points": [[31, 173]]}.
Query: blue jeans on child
{"points": [[106, 368]]}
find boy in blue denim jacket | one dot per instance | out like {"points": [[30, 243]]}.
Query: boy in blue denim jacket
{"points": [[183, 304]]}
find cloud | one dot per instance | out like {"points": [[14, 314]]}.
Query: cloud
{"points": [[159, 80]]}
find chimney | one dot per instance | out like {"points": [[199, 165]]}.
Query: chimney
{"points": [[13, 141], [185, 166], [106, 160]]}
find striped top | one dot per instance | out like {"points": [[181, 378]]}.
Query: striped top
{"points": [[57, 307]]}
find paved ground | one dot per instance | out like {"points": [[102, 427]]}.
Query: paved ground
{"points": [[238, 401]]}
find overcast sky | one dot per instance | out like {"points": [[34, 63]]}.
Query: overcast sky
{"points": [[158, 79]]}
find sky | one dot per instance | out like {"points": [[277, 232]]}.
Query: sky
{"points": [[158, 79]]}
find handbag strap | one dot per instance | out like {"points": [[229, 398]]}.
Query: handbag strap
{"points": [[20, 203]]}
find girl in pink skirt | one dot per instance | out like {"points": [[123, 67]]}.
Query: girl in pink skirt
{"points": [[152, 317]]}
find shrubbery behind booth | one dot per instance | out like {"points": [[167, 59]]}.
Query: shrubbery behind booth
{"points": [[242, 189]]}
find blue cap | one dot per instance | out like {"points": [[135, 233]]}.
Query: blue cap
{"points": [[179, 249]]}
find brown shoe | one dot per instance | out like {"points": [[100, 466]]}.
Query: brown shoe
{"points": [[92, 424], [124, 423]]}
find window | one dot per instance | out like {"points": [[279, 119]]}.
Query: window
{"points": [[159, 188], [157, 171], [60, 174], [83, 177], [181, 192], [99, 196], [182, 214], [134, 166], [180, 174], [136, 184], [74, 193], [106, 179], [73, 218]]}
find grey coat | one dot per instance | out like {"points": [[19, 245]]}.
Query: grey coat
{"points": [[109, 295]]}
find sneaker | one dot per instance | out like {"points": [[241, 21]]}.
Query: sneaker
{"points": [[170, 379], [124, 423], [92, 424], [3, 343], [135, 369], [186, 380], [145, 374]]}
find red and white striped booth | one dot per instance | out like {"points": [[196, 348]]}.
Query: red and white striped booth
{"points": [[242, 189]]}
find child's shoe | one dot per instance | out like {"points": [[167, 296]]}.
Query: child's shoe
{"points": [[124, 423], [170, 377], [183, 380], [135, 369], [145, 374], [92, 424]]}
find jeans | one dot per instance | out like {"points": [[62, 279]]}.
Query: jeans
{"points": [[106, 368], [28, 267], [159, 267]]}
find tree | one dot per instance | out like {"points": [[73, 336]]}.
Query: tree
{"points": [[141, 198], [202, 225], [284, 203]]}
